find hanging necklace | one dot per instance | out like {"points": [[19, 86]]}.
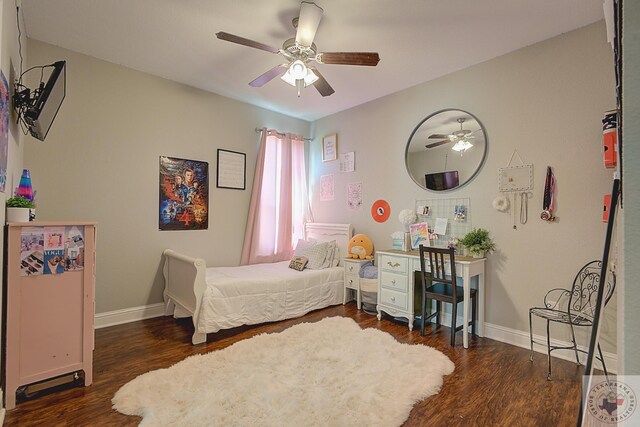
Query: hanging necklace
{"points": [[524, 207]]}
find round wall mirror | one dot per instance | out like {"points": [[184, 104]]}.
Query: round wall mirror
{"points": [[446, 150]]}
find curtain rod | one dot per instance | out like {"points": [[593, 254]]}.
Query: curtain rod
{"points": [[258, 130]]}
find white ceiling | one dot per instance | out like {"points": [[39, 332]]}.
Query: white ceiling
{"points": [[418, 40]]}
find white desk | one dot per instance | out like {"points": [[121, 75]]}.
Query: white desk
{"points": [[396, 286]]}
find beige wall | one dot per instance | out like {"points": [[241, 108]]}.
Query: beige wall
{"points": [[100, 162], [546, 101]]}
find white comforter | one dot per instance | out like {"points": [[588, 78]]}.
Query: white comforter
{"points": [[259, 293]]}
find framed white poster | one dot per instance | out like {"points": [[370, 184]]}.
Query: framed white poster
{"points": [[330, 147], [326, 188], [348, 162], [232, 170]]}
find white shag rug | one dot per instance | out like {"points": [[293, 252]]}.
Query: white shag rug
{"points": [[329, 373]]}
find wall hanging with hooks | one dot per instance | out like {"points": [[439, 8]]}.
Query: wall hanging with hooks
{"points": [[515, 180]]}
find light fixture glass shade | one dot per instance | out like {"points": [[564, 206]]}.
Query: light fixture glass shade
{"points": [[297, 69], [462, 146], [288, 78], [308, 78]]}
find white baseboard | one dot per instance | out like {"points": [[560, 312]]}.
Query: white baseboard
{"points": [[118, 317], [522, 339]]}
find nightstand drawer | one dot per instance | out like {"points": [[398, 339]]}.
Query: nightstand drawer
{"points": [[392, 263], [393, 298], [394, 281], [351, 281], [352, 267]]}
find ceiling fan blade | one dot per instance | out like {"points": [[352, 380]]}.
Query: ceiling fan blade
{"points": [[437, 144], [245, 42], [438, 136], [308, 21], [349, 58], [276, 71], [321, 84]]}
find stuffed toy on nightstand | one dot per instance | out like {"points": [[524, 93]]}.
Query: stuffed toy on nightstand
{"points": [[360, 247]]}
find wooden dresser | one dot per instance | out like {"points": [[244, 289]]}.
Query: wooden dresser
{"points": [[50, 288]]}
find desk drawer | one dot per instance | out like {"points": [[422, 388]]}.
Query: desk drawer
{"points": [[394, 263], [393, 298], [447, 267], [394, 281]]}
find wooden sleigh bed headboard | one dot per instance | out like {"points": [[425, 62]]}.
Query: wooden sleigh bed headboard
{"points": [[185, 277]]}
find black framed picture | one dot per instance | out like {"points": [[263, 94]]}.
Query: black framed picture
{"points": [[231, 170]]}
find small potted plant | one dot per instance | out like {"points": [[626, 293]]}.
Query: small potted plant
{"points": [[478, 242], [19, 209]]}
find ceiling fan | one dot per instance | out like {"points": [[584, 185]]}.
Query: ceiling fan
{"points": [[457, 135], [300, 51]]}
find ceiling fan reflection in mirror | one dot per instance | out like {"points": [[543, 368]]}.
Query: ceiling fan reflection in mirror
{"points": [[300, 52], [461, 136]]}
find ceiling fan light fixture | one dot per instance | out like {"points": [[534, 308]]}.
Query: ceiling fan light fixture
{"points": [[298, 69], [462, 146], [307, 79]]}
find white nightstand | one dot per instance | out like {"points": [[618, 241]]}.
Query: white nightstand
{"points": [[352, 279]]}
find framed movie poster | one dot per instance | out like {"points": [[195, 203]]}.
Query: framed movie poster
{"points": [[184, 194]]}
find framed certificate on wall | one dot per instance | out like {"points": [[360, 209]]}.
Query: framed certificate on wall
{"points": [[231, 170]]}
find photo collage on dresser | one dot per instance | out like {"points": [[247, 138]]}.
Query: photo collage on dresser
{"points": [[51, 250]]}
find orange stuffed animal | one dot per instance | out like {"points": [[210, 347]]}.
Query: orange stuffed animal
{"points": [[360, 247]]}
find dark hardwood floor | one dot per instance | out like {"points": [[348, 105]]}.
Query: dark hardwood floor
{"points": [[494, 384]]}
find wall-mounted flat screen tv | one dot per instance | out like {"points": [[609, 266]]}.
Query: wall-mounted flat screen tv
{"points": [[41, 114], [442, 180]]}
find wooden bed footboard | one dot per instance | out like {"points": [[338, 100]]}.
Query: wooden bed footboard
{"points": [[184, 286]]}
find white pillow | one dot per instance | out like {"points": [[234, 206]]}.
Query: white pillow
{"points": [[302, 246], [316, 255], [331, 249], [336, 257]]}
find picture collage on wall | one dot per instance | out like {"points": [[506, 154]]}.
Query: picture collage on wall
{"points": [[184, 194], [51, 250]]}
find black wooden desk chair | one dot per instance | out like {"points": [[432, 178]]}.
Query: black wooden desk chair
{"points": [[436, 286], [573, 307]]}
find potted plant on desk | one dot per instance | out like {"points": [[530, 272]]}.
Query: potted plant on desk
{"points": [[19, 209], [478, 243]]}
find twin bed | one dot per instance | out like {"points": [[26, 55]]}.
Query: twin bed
{"points": [[225, 297]]}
